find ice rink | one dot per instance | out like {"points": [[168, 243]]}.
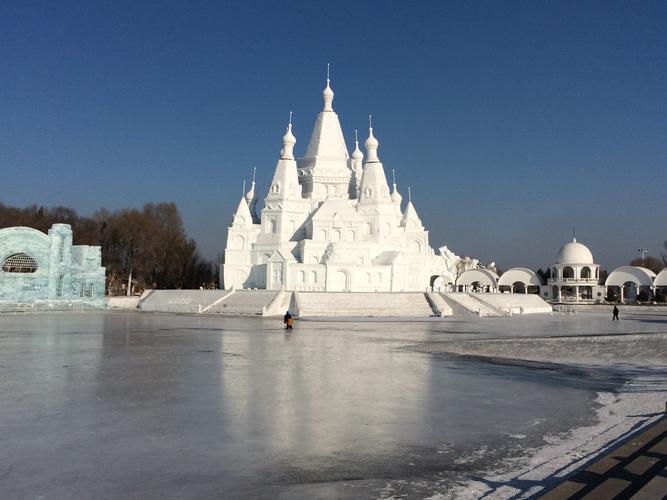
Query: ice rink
{"points": [[140, 405]]}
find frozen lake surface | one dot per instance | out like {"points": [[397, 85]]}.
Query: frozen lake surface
{"points": [[131, 405]]}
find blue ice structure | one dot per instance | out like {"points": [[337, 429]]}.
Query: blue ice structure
{"points": [[40, 270]]}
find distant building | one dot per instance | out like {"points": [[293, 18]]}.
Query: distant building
{"points": [[38, 267]]}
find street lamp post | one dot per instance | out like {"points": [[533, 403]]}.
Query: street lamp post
{"points": [[643, 251]]}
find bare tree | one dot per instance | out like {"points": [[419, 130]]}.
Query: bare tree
{"points": [[649, 262]]}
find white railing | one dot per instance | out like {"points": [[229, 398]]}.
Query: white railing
{"points": [[574, 280]]}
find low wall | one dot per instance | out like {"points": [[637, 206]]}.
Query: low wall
{"points": [[11, 307], [661, 308], [180, 301], [122, 303]]}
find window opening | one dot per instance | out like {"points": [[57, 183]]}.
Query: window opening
{"points": [[19, 263]]}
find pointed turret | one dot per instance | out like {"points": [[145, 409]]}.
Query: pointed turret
{"points": [[410, 218], [374, 188], [252, 198], [242, 216], [395, 195], [285, 183]]}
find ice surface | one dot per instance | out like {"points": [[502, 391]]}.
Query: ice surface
{"points": [[128, 404]]}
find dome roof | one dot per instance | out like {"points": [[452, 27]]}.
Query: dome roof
{"points": [[574, 253]]}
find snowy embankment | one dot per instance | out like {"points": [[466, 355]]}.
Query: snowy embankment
{"points": [[636, 406], [642, 349]]}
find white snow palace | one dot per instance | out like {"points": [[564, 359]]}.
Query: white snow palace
{"points": [[331, 223]]}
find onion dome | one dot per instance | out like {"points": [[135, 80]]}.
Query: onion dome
{"points": [[328, 96], [371, 145], [250, 195], [357, 154], [288, 142]]}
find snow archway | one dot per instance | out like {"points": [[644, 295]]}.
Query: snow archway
{"points": [[488, 280]]}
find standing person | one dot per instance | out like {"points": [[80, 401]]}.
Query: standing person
{"points": [[288, 320], [615, 316]]}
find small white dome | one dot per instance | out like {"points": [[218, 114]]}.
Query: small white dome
{"points": [[371, 145], [289, 138], [396, 196], [574, 253], [357, 154], [288, 144]]}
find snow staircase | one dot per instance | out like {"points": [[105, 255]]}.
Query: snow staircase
{"points": [[279, 305], [245, 303], [439, 304], [468, 304], [515, 303], [364, 304]]}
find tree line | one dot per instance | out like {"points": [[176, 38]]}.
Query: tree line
{"points": [[141, 249]]}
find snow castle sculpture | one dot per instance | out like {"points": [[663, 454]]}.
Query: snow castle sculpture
{"points": [[330, 223]]}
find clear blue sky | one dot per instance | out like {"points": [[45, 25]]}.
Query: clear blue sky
{"points": [[512, 121]]}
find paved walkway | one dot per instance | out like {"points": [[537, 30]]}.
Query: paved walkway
{"points": [[637, 470]]}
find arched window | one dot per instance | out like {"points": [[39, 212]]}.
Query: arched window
{"points": [[272, 226], [313, 277], [19, 263], [586, 272], [568, 272], [239, 241], [302, 277]]}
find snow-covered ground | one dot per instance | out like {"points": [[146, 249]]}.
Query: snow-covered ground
{"points": [[152, 405]]}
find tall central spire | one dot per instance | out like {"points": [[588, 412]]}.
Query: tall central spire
{"points": [[325, 169]]}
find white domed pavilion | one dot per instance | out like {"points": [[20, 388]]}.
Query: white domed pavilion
{"points": [[574, 275]]}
